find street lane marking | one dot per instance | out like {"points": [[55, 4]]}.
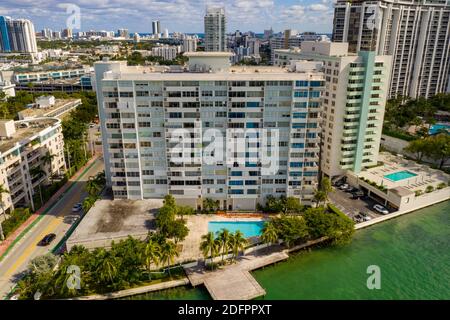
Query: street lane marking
{"points": [[32, 247]]}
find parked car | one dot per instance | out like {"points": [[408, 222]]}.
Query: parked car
{"points": [[92, 125], [344, 187], [77, 207], [365, 216], [379, 208], [352, 189], [339, 183], [47, 239], [357, 194]]}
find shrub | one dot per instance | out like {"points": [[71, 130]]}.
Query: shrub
{"points": [[442, 185], [429, 189], [17, 217], [418, 192]]}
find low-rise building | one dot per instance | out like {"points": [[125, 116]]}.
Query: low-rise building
{"points": [[48, 106], [166, 52], [38, 76], [24, 146]]}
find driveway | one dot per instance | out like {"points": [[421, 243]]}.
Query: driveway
{"points": [[351, 207]]}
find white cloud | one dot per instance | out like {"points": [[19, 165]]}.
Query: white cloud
{"points": [[318, 7]]}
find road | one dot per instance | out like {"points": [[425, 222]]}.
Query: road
{"points": [[57, 220]]}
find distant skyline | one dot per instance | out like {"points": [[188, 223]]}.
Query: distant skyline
{"points": [[176, 15]]}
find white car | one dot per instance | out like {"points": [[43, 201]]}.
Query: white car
{"points": [[345, 186], [379, 208], [77, 207]]}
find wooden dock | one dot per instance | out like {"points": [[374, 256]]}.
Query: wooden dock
{"points": [[234, 282]]}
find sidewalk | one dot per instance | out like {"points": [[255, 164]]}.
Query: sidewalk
{"points": [[9, 242]]}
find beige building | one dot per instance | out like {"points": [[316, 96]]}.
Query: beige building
{"points": [[23, 144], [353, 104]]}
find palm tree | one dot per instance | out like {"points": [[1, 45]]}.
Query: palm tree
{"points": [[92, 186], [107, 269], [209, 246], [237, 243], [88, 202], [2, 191], [38, 172], [320, 196], [168, 253], [47, 160], [269, 233], [152, 253], [224, 237]]}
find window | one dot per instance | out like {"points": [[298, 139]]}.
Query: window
{"points": [[301, 94], [301, 83], [146, 144], [235, 183]]}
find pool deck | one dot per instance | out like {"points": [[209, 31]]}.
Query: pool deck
{"points": [[234, 282]]}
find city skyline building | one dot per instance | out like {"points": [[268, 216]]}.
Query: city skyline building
{"points": [[415, 32], [156, 27], [17, 35], [215, 29]]}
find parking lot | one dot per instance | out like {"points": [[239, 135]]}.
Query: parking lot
{"points": [[352, 207]]}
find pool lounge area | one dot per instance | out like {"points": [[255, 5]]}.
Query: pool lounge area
{"points": [[402, 184]]}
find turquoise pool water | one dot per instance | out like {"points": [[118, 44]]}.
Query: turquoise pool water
{"points": [[248, 228], [439, 126], [401, 175]]}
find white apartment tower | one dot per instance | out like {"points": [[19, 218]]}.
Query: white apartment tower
{"points": [[415, 32], [234, 134], [353, 105], [215, 29]]}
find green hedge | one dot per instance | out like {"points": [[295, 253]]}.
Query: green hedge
{"points": [[17, 217], [398, 134]]}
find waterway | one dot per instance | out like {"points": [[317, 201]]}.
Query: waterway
{"points": [[411, 251]]}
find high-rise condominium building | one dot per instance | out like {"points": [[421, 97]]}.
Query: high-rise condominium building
{"points": [[234, 134], [353, 105], [215, 29], [156, 27], [415, 32], [17, 35]]}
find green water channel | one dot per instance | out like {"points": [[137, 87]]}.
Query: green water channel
{"points": [[412, 251]]}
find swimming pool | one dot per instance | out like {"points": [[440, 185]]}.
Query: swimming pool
{"points": [[248, 228], [400, 175], [437, 127]]}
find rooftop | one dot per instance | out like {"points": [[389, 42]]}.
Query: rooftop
{"points": [[111, 220], [40, 112], [412, 176], [203, 54], [25, 130]]}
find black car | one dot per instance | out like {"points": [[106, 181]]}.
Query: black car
{"points": [[358, 194], [47, 240]]}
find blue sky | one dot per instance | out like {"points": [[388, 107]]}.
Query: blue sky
{"points": [[176, 15]]}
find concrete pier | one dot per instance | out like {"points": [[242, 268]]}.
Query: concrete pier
{"points": [[234, 282]]}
